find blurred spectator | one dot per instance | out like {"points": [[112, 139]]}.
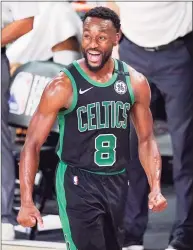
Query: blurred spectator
{"points": [[157, 41], [17, 20], [56, 34]]}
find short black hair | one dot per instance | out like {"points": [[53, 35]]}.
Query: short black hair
{"points": [[106, 14]]}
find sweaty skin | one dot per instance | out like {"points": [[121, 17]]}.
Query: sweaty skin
{"points": [[58, 94], [149, 154]]}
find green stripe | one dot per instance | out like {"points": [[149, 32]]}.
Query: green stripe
{"points": [[60, 191], [103, 173], [61, 114], [61, 123], [75, 93], [125, 66], [95, 83], [61, 198]]}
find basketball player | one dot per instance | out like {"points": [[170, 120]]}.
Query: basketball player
{"points": [[93, 99]]}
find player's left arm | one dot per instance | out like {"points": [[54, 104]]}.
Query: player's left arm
{"points": [[149, 154]]}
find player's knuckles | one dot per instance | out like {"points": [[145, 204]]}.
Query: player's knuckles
{"points": [[162, 203], [24, 222], [154, 209], [30, 222], [26, 219], [160, 206], [21, 218]]}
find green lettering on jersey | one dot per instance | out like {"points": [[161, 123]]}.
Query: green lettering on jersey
{"points": [[113, 114], [106, 105], [98, 117], [79, 112], [119, 105], [96, 113], [125, 109], [90, 116]]}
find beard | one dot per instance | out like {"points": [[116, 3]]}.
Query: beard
{"points": [[105, 58]]}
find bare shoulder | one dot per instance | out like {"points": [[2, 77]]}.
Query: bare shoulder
{"points": [[137, 78], [58, 93], [139, 84], [58, 85]]}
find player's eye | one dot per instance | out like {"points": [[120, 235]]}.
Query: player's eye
{"points": [[102, 38], [86, 36]]}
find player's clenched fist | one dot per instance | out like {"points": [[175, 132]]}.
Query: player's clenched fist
{"points": [[157, 202], [28, 215]]}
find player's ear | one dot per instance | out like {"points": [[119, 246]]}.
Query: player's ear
{"points": [[117, 38]]}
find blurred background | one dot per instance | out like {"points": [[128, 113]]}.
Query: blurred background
{"points": [[34, 59]]}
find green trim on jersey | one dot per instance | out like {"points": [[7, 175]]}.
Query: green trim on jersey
{"points": [[125, 66], [75, 93], [103, 173], [95, 83], [61, 198], [61, 123], [61, 114]]}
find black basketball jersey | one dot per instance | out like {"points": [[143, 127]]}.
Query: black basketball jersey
{"points": [[94, 131]]}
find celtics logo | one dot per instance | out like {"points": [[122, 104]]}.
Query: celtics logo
{"points": [[120, 87]]}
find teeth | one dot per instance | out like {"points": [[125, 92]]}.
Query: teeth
{"points": [[94, 54]]}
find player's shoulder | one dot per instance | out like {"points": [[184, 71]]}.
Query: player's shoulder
{"points": [[136, 76], [59, 84], [139, 83]]}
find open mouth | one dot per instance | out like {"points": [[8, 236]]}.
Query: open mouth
{"points": [[94, 57]]}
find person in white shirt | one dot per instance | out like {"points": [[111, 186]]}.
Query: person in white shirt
{"points": [[17, 20], [58, 27], [157, 41]]}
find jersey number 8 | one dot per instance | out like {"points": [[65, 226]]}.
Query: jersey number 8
{"points": [[105, 154]]}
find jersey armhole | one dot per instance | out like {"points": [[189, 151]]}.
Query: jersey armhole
{"points": [[131, 92], [75, 93]]}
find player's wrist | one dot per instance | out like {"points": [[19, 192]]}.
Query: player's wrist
{"points": [[155, 187], [25, 202]]}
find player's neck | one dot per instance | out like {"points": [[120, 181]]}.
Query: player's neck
{"points": [[107, 70]]}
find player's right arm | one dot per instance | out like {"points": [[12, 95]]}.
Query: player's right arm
{"points": [[57, 95]]}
